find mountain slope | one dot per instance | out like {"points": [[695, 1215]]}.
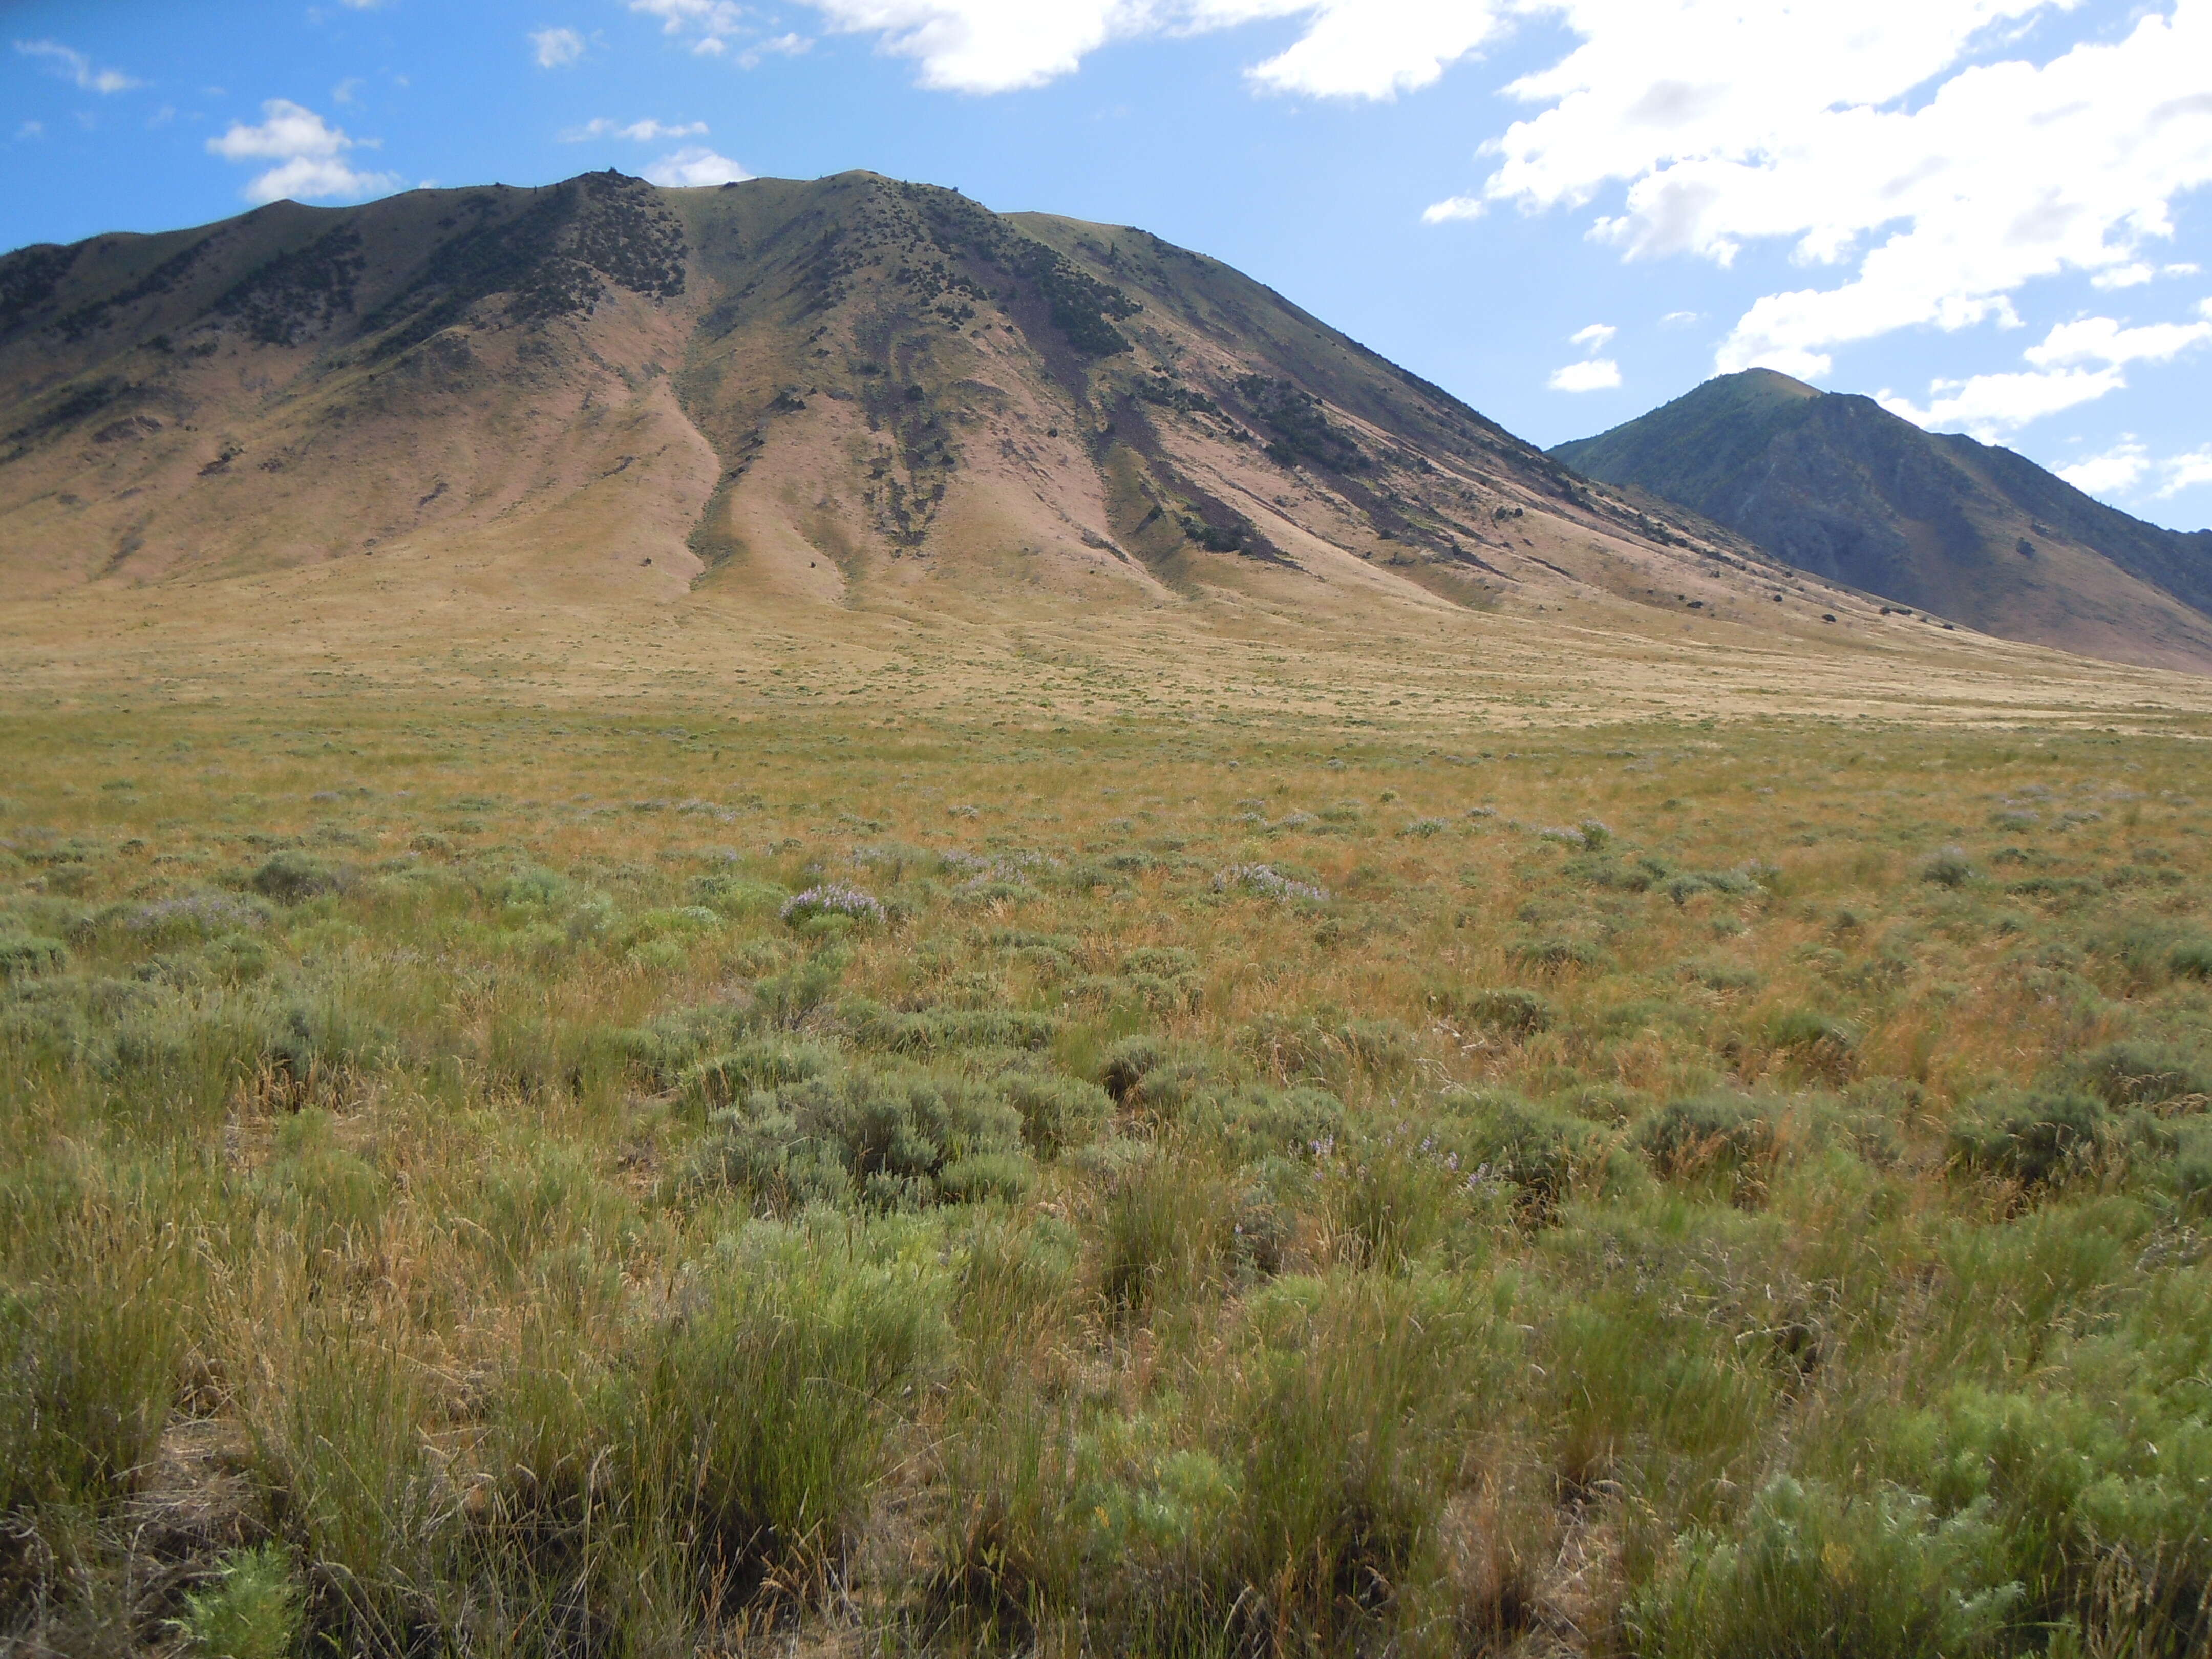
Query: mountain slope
{"points": [[849, 392], [1838, 486]]}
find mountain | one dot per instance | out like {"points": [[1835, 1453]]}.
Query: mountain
{"points": [[851, 393], [1838, 486]]}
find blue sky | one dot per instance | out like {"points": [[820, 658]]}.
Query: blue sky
{"points": [[1992, 213]]}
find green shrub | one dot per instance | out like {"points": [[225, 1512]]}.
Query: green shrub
{"points": [[2192, 1163], [1811, 1574], [2133, 1073], [766, 1063], [1717, 974], [1128, 1063], [1536, 1149], [1949, 868], [1818, 1041], [787, 998], [292, 878], [1717, 1131], [253, 1610], [1057, 1112], [883, 1136], [23, 957], [1731, 883], [936, 1031], [1511, 1010], [1329, 1046], [2033, 1137], [735, 896], [1256, 1122], [1555, 953], [2192, 958], [756, 1426]]}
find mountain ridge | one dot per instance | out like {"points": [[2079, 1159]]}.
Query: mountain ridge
{"points": [[603, 411], [303, 383], [1834, 485]]}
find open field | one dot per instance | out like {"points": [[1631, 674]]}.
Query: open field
{"points": [[1294, 1172]]}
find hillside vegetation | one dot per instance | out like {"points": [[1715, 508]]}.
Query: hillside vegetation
{"points": [[480, 1180]]}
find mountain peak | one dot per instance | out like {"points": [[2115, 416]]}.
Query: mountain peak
{"points": [[1837, 485], [846, 391]]}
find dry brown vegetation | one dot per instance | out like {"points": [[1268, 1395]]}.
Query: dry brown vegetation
{"points": [[1453, 1176]]}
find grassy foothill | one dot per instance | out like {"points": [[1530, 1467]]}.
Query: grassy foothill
{"points": [[479, 1181]]}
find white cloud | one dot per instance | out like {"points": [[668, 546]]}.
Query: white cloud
{"points": [[2116, 471], [1864, 134], [1454, 207], [2127, 466], [2101, 340], [1594, 338], [710, 22], [1681, 319], [31, 129], [780, 45], [648, 131], [1372, 49], [694, 166], [1989, 406], [1596, 374], [310, 156], [75, 67], [555, 48], [2187, 471], [1914, 146]]}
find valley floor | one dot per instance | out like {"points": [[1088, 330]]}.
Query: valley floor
{"points": [[1038, 1139]]}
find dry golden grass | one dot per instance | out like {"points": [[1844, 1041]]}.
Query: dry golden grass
{"points": [[370, 1192]]}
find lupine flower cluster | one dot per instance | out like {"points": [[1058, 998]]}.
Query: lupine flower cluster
{"points": [[1325, 1149], [1269, 882], [833, 898]]}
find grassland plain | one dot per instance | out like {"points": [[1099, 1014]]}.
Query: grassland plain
{"points": [[817, 1175]]}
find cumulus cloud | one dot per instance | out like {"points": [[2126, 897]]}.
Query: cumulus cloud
{"points": [[2102, 340], [1371, 49], [710, 24], [2075, 362], [2124, 469], [1594, 338], [76, 68], [1942, 185], [309, 154], [555, 48], [2115, 472], [1454, 207], [2187, 471], [779, 46], [1989, 405], [1914, 148], [694, 166], [1593, 374], [648, 131]]}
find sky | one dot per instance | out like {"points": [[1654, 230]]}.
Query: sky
{"points": [[1991, 215]]}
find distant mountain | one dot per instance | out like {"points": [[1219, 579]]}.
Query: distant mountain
{"points": [[846, 391], [1838, 486]]}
